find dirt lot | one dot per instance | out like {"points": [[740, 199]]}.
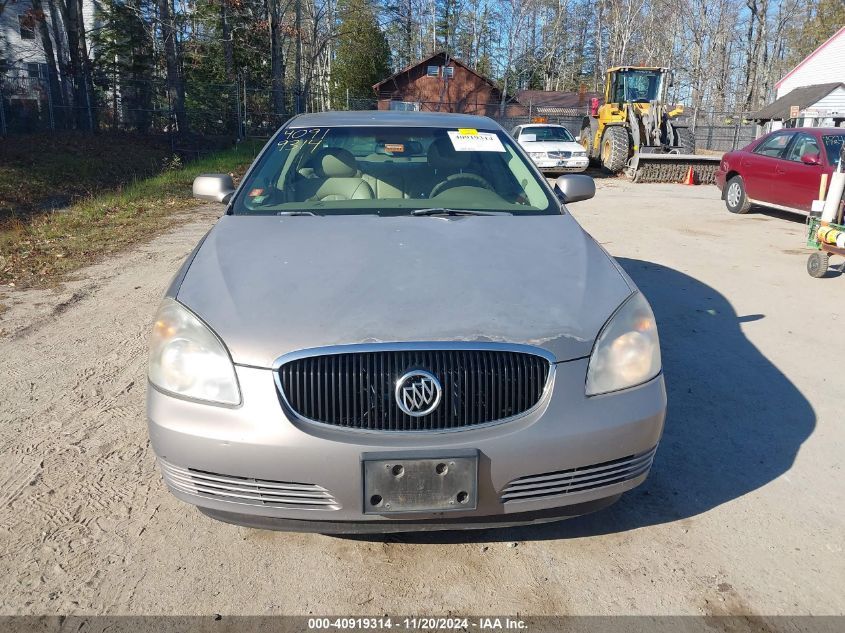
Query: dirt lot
{"points": [[742, 512]]}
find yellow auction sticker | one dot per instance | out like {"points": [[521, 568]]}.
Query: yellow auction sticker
{"points": [[467, 131]]}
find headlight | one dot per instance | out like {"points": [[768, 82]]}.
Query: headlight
{"points": [[537, 155], [187, 358], [627, 350]]}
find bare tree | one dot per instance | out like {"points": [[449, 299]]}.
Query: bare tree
{"points": [[227, 41], [173, 65], [40, 18], [514, 17]]}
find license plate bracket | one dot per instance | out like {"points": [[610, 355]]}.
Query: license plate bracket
{"points": [[411, 481]]}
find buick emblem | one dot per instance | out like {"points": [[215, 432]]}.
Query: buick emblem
{"points": [[418, 393]]}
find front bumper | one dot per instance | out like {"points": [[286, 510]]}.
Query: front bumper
{"points": [[256, 446], [562, 165], [388, 526]]}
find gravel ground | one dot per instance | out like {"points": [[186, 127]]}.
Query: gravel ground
{"points": [[742, 512]]}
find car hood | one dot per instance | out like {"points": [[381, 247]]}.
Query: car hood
{"points": [[271, 285], [552, 146]]}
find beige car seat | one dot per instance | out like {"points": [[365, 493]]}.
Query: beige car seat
{"points": [[337, 177]]}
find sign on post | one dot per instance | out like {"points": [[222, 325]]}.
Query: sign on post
{"points": [[794, 111]]}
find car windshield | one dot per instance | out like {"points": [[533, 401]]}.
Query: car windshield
{"points": [[833, 146], [391, 171], [550, 133]]}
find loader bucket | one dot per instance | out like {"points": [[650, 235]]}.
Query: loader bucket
{"points": [[672, 167]]}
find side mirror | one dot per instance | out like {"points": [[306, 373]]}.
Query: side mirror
{"points": [[811, 159], [214, 187], [574, 188]]}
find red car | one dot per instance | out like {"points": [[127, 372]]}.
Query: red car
{"points": [[782, 169]]}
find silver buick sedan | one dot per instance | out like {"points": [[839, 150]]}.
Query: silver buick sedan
{"points": [[398, 326]]}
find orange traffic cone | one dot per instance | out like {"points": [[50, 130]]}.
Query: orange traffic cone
{"points": [[690, 178]]}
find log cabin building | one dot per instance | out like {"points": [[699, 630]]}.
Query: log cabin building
{"points": [[439, 83]]}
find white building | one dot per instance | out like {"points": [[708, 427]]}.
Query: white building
{"points": [[813, 93], [20, 42], [824, 65]]}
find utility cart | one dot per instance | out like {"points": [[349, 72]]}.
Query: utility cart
{"points": [[818, 261], [826, 232]]}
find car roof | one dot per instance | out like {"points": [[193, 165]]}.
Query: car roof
{"points": [[821, 130], [541, 125], [393, 118]]}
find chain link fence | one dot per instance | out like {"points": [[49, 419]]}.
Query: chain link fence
{"points": [[218, 114], [28, 105], [714, 131], [720, 131], [215, 113], [572, 121]]}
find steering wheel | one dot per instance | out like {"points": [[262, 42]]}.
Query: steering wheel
{"points": [[455, 181]]}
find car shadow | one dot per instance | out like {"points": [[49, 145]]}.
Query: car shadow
{"points": [[777, 214], [600, 173], [735, 422]]}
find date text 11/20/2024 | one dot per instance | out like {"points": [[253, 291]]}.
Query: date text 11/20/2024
{"points": [[418, 623]]}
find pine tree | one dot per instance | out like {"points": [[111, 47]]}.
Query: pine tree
{"points": [[123, 57], [362, 53], [448, 14]]}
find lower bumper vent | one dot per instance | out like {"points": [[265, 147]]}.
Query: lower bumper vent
{"points": [[580, 479], [245, 490]]}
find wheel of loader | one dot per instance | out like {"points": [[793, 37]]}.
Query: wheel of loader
{"points": [[614, 148], [685, 140], [817, 264], [586, 140]]}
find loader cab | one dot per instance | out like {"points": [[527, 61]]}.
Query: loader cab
{"points": [[628, 84]]}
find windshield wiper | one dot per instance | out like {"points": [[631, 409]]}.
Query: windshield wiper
{"points": [[295, 213], [445, 211]]}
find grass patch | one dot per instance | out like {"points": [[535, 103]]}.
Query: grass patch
{"points": [[43, 249], [40, 172]]}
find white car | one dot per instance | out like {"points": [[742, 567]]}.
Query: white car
{"points": [[551, 147]]}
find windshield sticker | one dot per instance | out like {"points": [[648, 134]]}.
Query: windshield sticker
{"points": [[394, 148], [300, 136], [468, 131], [477, 142]]}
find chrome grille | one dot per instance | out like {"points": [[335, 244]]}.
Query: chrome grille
{"points": [[282, 494], [356, 389], [578, 479]]}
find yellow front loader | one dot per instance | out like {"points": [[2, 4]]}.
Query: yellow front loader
{"points": [[637, 132]]}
